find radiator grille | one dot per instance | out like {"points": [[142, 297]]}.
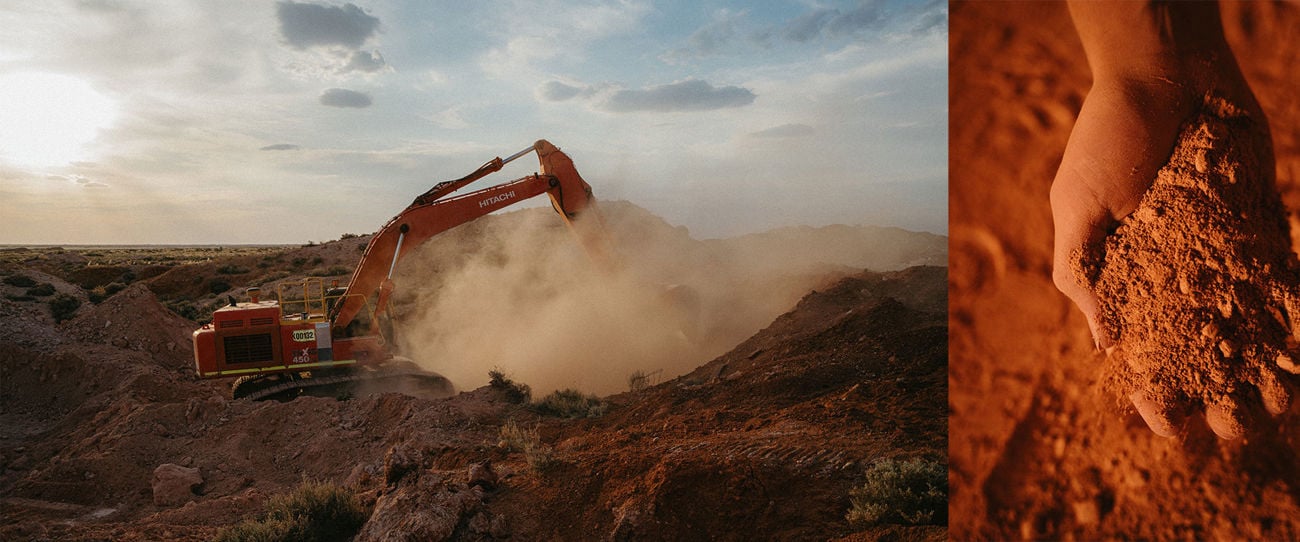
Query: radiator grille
{"points": [[249, 348], [261, 321]]}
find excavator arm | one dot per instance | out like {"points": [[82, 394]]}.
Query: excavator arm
{"points": [[432, 213]]}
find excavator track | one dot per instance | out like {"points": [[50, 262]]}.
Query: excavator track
{"points": [[400, 375]]}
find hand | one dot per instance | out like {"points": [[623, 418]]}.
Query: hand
{"points": [[1152, 64]]}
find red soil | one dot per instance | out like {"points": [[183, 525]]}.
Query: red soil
{"points": [[1039, 449]]}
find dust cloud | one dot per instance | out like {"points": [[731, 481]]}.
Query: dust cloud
{"points": [[518, 292]]}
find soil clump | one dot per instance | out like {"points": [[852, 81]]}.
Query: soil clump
{"points": [[1194, 284]]}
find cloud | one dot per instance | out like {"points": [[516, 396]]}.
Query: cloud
{"points": [[730, 32], [555, 91], [85, 182], [308, 25], [936, 20], [785, 130], [739, 32], [280, 147], [708, 39], [834, 23], [342, 97], [362, 61], [688, 95], [449, 118]]}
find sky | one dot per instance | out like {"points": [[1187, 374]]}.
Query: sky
{"points": [[262, 122]]}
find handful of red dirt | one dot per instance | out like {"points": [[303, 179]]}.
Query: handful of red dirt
{"points": [[1198, 285]]}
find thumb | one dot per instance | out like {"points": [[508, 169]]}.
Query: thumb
{"points": [[1079, 230]]}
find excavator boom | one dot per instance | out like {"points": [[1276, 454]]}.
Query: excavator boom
{"points": [[430, 215]]}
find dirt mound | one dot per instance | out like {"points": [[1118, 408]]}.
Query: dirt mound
{"points": [[767, 440], [134, 319], [1194, 284]]}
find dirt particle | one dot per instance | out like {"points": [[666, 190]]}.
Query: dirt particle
{"points": [[1086, 512]]}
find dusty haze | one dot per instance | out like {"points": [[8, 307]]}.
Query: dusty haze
{"points": [[517, 292]]}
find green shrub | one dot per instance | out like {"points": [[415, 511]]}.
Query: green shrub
{"points": [[314, 512], [232, 269], [63, 306], [21, 281], [515, 392], [908, 492], [570, 403], [41, 290]]}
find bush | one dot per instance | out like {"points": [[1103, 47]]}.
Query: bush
{"points": [[909, 492], [315, 511], [569, 403], [185, 309], [99, 294], [41, 290], [518, 438], [640, 380], [539, 456], [218, 286], [333, 271], [21, 281], [63, 306], [515, 392], [347, 236], [232, 269]]}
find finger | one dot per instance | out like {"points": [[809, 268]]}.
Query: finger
{"points": [[1287, 362], [1291, 305], [1275, 394], [1079, 230], [1226, 419], [1160, 418]]}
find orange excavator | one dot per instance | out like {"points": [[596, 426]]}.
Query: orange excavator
{"points": [[311, 336]]}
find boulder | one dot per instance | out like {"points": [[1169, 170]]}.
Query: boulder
{"points": [[174, 485]]}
